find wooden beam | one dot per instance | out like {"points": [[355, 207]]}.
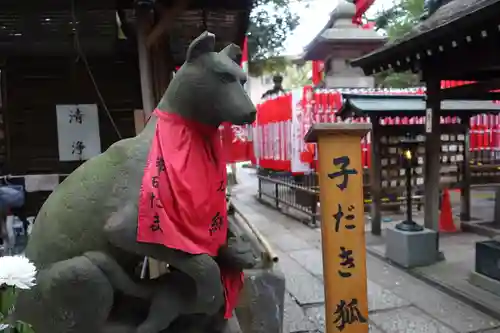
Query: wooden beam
{"points": [[144, 22], [480, 90], [376, 178], [484, 86], [476, 58], [465, 192], [478, 75], [139, 121], [166, 21], [476, 96]]}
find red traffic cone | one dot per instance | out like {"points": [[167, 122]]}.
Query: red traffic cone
{"points": [[446, 216]]}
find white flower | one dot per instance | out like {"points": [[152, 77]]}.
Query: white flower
{"points": [[17, 272]]}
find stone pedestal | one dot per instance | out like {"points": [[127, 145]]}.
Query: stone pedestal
{"points": [[484, 282], [487, 271], [411, 249], [488, 259], [497, 206], [333, 81], [262, 301]]}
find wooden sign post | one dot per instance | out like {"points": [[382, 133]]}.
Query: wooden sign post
{"points": [[342, 225]]}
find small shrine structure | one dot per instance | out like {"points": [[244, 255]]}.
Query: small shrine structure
{"points": [[340, 41]]}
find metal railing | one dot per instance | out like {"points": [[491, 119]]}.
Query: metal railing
{"points": [[297, 196]]}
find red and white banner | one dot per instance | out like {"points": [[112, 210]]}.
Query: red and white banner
{"points": [[238, 140], [282, 122]]}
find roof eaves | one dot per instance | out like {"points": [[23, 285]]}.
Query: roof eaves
{"points": [[410, 39], [360, 105]]}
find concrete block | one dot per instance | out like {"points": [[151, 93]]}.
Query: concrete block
{"points": [[484, 282], [411, 249], [261, 305], [487, 254]]}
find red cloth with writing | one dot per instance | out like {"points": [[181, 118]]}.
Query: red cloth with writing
{"points": [[182, 203]]}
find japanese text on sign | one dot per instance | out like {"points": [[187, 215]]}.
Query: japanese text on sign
{"points": [[347, 262], [344, 172], [77, 148], [76, 116], [347, 311], [340, 214]]}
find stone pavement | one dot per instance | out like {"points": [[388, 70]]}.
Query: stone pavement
{"points": [[398, 302]]}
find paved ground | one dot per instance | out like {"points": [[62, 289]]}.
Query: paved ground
{"points": [[398, 302]]}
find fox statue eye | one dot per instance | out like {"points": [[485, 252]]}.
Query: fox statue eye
{"points": [[227, 78]]}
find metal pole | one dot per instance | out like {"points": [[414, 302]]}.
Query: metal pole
{"points": [[408, 159], [408, 194]]}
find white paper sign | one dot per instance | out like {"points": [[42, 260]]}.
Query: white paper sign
{"points": [[297, 139], [428, 120], [78, 132]]}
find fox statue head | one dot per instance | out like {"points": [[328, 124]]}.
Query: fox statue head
{"points": [[208, 88]]}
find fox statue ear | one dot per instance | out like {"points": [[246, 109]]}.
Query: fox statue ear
{"points": [[233, 51], [205, 43]]}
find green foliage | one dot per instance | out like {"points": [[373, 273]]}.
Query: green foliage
{"points": [[271, 22], [390, 79], [397, 21], [297, 76], [8, 297], [273, 65]]}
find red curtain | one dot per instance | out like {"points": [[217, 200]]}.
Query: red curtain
{"points": [[317, 71]]}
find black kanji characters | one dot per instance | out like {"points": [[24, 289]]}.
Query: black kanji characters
{"points": [[347, 262], [76, 116], [217, 223], [221, 186], [347, 314], [77, 148], [342, 162], [154, 201], [340, 214], [155, 182], [155, 226], [160, 164]]}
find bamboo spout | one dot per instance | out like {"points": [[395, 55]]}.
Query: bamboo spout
{"points": [[268, 252]]}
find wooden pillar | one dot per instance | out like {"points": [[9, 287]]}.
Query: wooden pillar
{"points": [[376, 178], [342, 225], [432, 166], [465, 192], [144, 18], [161, 69], [139, 121]]}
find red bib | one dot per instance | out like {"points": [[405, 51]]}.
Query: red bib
{"points": [[182, 203]]}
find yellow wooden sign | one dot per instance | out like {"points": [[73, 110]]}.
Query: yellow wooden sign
{"points": [[342, 225]]}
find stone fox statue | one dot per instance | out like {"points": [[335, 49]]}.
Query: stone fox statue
{"points": [[84, 240]]}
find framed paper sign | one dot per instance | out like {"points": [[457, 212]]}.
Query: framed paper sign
{"points": [[78, 132]]}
